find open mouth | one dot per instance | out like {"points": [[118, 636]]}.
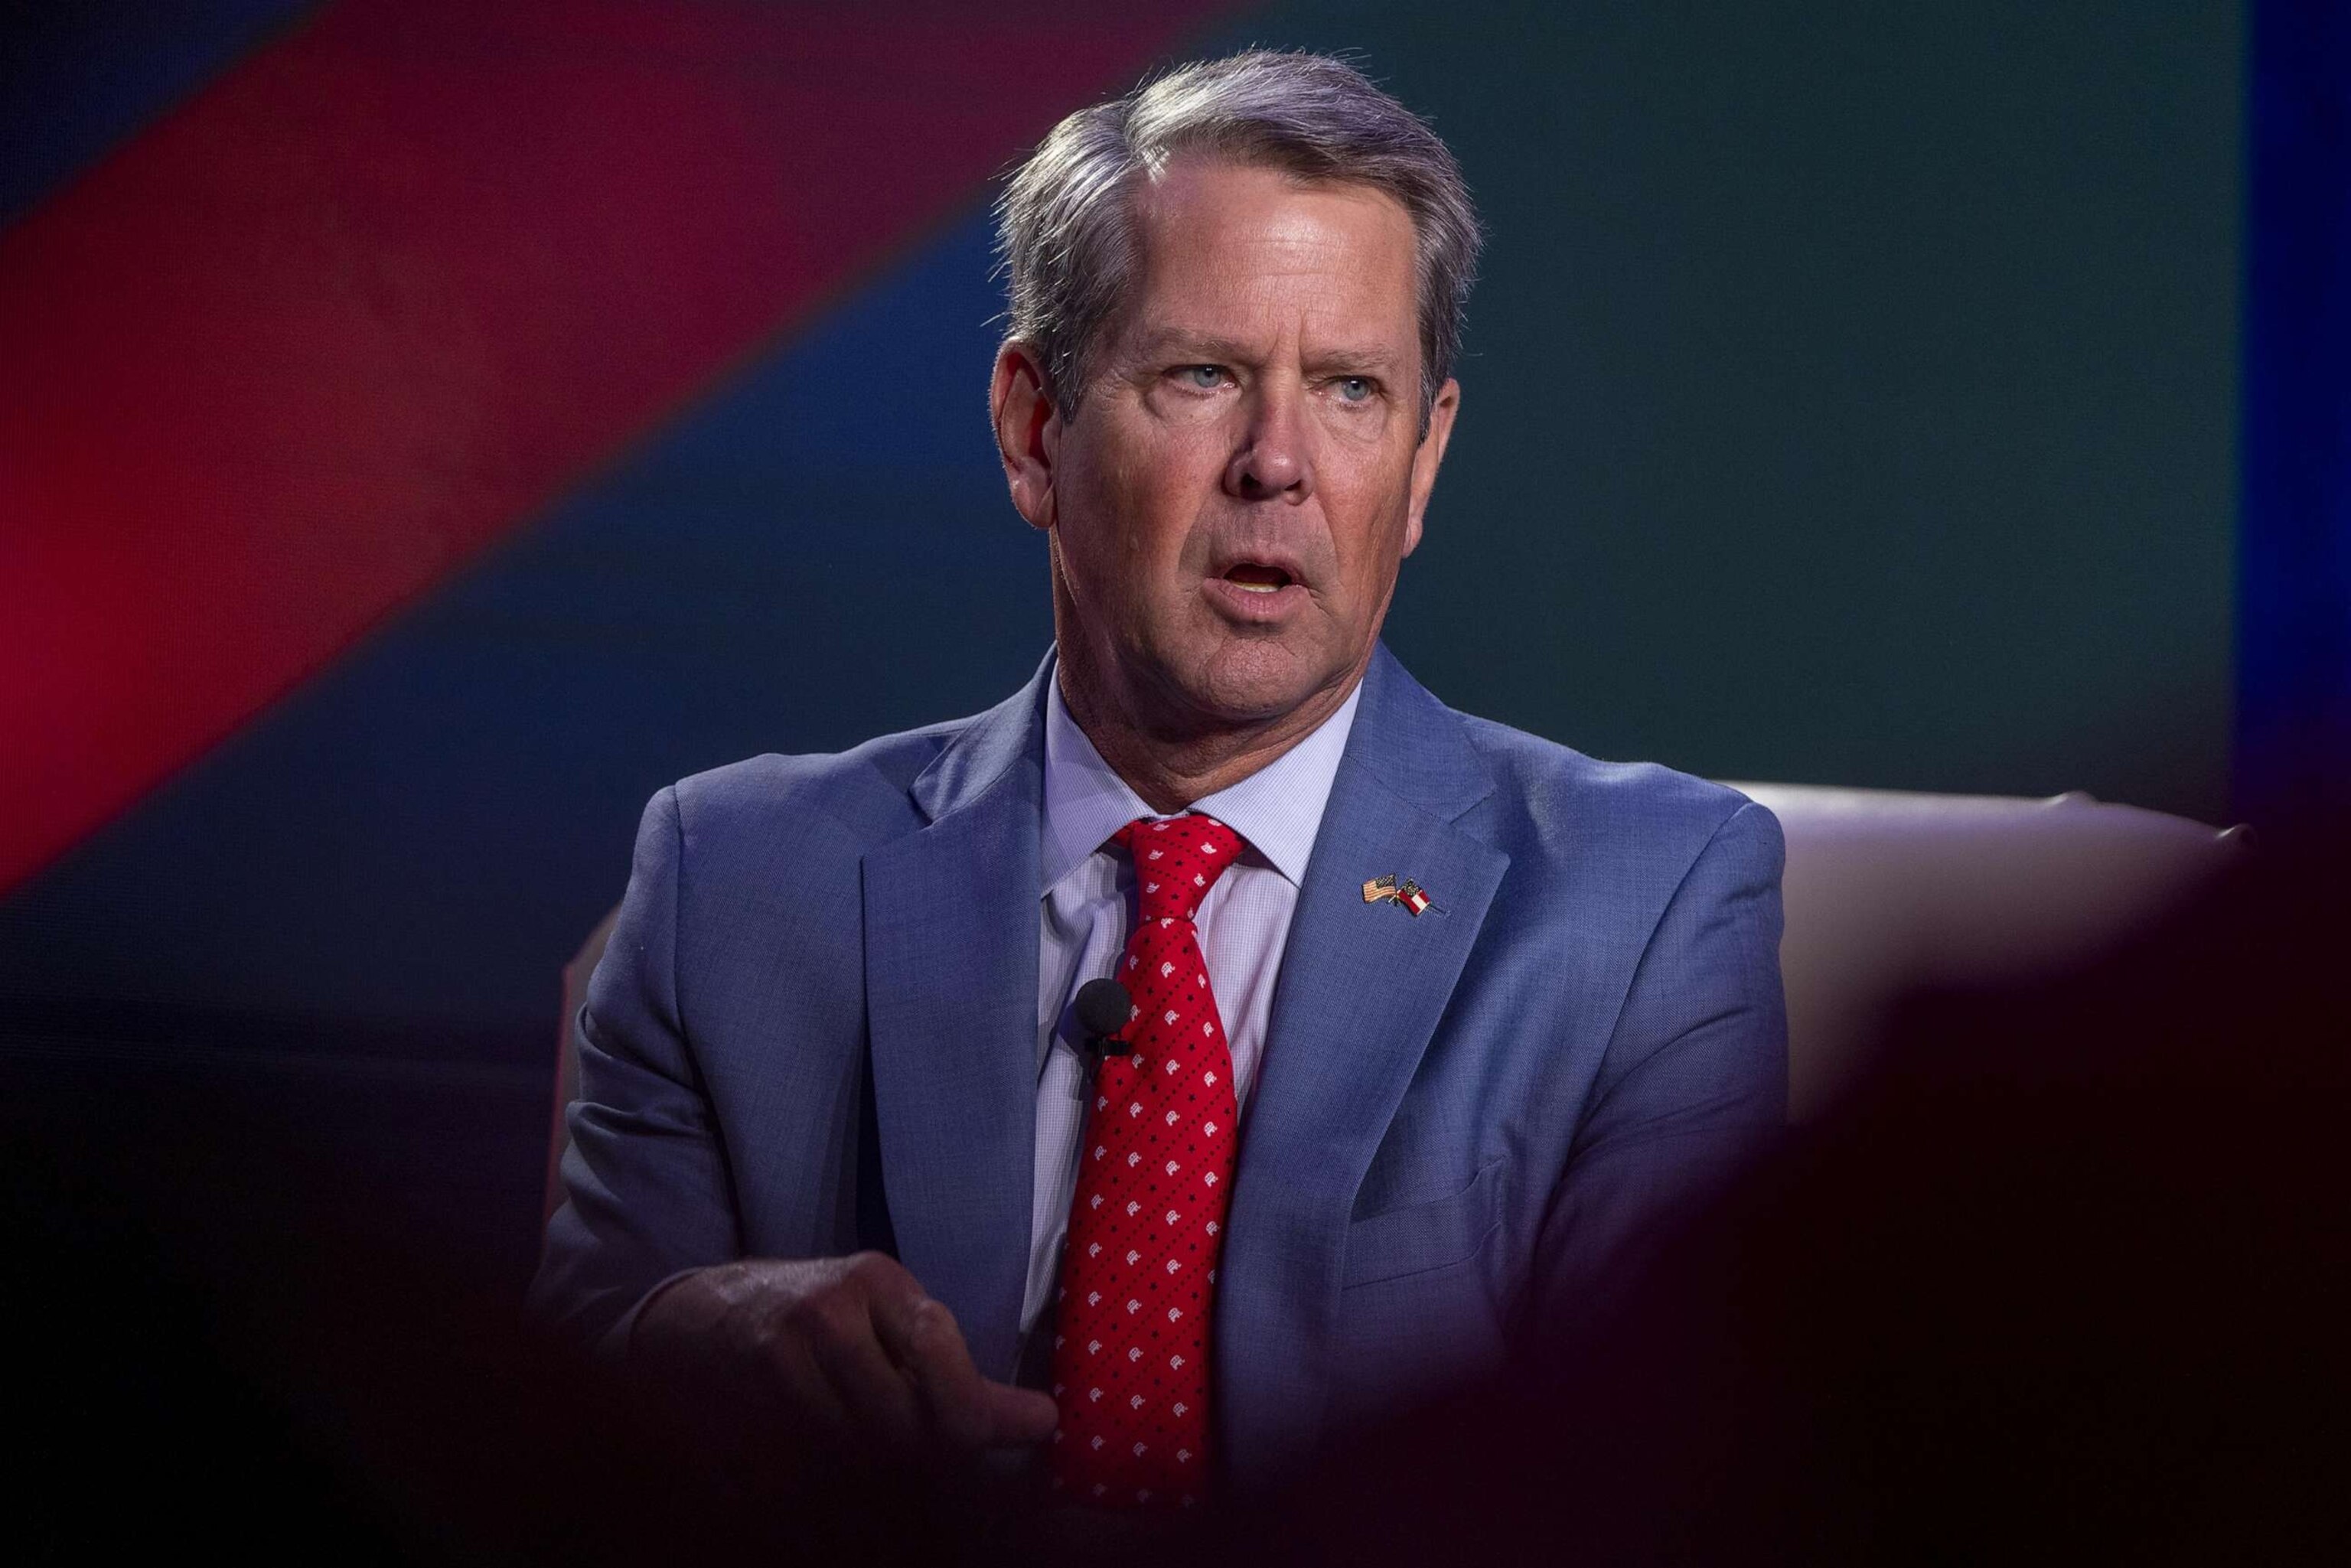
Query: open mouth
{"points": [[1258, 578]]}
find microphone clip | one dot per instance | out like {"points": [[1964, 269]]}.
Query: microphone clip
{"points": [[1103, 1009]]}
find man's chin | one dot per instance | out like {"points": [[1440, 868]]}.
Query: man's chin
{"points": [[1253, 681]]}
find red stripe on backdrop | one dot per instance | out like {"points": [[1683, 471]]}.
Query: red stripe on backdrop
{"points": [[388, 287]]}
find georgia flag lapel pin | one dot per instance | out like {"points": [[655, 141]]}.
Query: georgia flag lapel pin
{"points": [[1403, 891]]}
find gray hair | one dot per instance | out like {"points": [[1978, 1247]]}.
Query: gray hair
{"points": [[1065, 225]]}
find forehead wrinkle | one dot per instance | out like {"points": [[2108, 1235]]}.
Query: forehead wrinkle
{"points": [[1334, 306]]}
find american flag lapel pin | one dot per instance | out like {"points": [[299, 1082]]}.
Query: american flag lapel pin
{"points": [[1403, 891]]}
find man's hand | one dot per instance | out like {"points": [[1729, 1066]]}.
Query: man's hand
{"points": [[844, 1349]]}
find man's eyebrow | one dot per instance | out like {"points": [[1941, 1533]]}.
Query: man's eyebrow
{"points": [[1354, 363], [1203, 348]]}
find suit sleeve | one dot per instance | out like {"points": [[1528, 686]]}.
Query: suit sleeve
{"points": [[646, 1190], [1694, 1086]]}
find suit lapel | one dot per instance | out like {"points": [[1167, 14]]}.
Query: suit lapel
{"points": [[1362, 988], [951, 1003]]}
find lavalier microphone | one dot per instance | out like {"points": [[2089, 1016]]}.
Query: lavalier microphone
{"points": [[1103, 1007]]}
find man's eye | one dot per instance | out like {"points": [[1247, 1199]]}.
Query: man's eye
{"points": [[1208, 378], [1355, 389]]}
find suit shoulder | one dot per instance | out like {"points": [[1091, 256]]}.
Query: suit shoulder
{"points": [[1552, 798], [861, 792]]}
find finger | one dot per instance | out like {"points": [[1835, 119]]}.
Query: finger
{"points": [[1017, 1416], [879, 1399], [926, 1341], [810, 1404], [971, 1411], [894, 1301]]}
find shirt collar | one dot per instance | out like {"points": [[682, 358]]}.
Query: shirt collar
{"points": [[1278, 808]]}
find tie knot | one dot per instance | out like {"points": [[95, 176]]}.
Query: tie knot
{"points": [[1176, 860]]}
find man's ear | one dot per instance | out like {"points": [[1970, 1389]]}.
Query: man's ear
{"points": [[1428, 455], [1027, 431]]}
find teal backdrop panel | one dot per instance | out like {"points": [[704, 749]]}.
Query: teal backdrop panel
{"points": [[1850, 390]]}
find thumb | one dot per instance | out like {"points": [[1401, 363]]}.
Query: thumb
{"points": [[1019, 1415]]}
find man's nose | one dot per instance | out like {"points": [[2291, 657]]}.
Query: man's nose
{"points": [[1275, 457]]}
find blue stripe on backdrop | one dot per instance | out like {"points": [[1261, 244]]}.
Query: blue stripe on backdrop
{"points": [[2294, 640], [75, 79], [406, 854]]}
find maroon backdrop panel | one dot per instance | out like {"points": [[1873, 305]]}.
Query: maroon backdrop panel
{"points": [[379, 293]]}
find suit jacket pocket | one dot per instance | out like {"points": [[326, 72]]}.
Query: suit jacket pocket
{"points": [[1424, 1236]]}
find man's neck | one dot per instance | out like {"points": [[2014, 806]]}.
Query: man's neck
{"points": [[1171, 767]]}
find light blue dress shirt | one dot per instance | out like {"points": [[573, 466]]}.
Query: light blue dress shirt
{"points": [[1088, 900]]}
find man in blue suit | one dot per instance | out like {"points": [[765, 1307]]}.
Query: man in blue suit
{"points": [[1473, 1016]]}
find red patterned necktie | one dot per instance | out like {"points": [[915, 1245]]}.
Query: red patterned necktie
{"points": [[1138, 1271]]}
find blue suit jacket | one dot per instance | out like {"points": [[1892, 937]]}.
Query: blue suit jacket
{"points": [[815, 1029]]}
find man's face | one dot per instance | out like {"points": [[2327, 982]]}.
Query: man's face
{"points": [[1230, 505]]}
